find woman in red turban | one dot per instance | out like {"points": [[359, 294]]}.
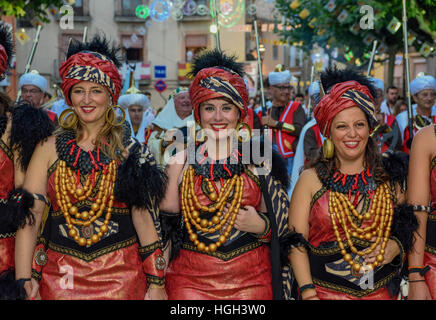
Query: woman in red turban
{"points": [[101, 236], [350, 234], [219, 222]]}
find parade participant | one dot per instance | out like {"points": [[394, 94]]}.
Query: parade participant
{"points": [[176, 115], [33, 87], [226, 246], [399, 107], [21, 129], [423, 91], [387, 133], [138, 112], [310, 139], [286, 117], [342, 208], [387, 106], [102, 187], [421, 194]]}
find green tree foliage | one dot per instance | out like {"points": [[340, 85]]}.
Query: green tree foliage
{"points": [[355, 43], [32, 9]]}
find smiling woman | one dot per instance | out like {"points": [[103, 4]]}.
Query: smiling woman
{"points": [[102, 187], [345, 210]]}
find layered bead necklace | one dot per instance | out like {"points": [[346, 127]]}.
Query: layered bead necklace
{"points": [[68, 184], [342, 211], [193, 210]]}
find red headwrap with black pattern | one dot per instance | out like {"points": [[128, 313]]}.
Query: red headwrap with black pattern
{"points": [[3, 60], [90, 66], [213, 83], [342, 96]]}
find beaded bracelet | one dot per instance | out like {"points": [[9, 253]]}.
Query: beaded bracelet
{"points": [[418, 207], [306, 287], [421, 270], [416, 281]]}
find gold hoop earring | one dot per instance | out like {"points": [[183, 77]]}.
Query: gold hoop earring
{"points": [[238, 129], [328, 148], [68, 119], [114, 116]]}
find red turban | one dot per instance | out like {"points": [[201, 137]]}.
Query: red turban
{"points": [[3, 60], [213, 83], [342, 96], [90, 66]]}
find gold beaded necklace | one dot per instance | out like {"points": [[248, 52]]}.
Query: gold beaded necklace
{"points": [[381, 213], [191, 209], [65, 186]]}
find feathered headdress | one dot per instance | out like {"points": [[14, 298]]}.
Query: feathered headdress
{"points": [[96, 61], [218, 75]]}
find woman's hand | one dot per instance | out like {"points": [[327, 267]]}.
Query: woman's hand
{"points": [[248, 220], [156, 294], [418, 291], [391, 251], [32, 290]]}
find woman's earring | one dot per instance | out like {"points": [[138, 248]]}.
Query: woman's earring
{"points": [[246, 132], [328, 148], [111, 116], [68, 119]]}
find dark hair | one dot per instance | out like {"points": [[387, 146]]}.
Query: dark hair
{"points": [[299, 95], [373, 159], [147, 92], [5, 103], [47, 95], [391, 87]]}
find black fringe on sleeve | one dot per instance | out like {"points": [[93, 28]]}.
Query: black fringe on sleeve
{"points": [[9, 289], [404, 224], [30, 126], [396, 164], [140, 180], [172, 230], [291, 240], [18, 208]]}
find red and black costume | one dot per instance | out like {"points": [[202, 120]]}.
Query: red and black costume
{"points": [[102, 258], [430, 246], [242, 267], [28, 127], [388, 136], [332, 275]]}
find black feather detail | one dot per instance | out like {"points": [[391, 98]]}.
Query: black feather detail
{"points": [[9, 289], [291, 240], [404, 225], [278, 167], [396, 164], [172, 230], [18, 208], [6, 41], [216, 58], [30, 126], [138, 183], [99, 44], [333, 75]]}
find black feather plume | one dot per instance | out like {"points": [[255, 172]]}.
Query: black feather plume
{"points": [[18, 208], [6, 41], [333, 75], [396, 164], [99, 44], [30, 126], [216, 58], [9, 288]]}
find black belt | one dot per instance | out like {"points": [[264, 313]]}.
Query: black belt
{"points": [[329, 270]]}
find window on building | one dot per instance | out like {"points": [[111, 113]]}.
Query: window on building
{"points": [[135, 50], [194, 44], [128, 7], [275, 52], [78, 8]]}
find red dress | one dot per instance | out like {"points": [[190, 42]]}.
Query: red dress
{"points": [[332, 276], [240, 269], [109, 269], [7, 234], [430, 248]]}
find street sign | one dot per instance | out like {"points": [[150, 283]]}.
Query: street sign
{"points": [[160, 72], [160, 85]]}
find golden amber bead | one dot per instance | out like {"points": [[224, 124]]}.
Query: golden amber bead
{"points": [[212, 247], [76, 238], [379, 258], [73, 210], [201, 246], [368, 236], [198, 220], [367, 216], [196, 242], [94, 238], [195, 214], [82, 242], [213, 196], [79, 192], [85, 215], [222, 238], [215, 220], [193, 237], [72, 233], [104, 228], [356, 267], [347, 257]]}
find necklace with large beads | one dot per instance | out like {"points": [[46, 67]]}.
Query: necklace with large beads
{"points": [[192, 208], [380, 216], [67, 186]]}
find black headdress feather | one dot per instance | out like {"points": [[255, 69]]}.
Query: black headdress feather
{"points": [[216, 58], [333, 75], [6, 41], [99, 44]]}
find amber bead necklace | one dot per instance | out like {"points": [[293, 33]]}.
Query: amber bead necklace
{"points": [[380, 215], [67, 185]]}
